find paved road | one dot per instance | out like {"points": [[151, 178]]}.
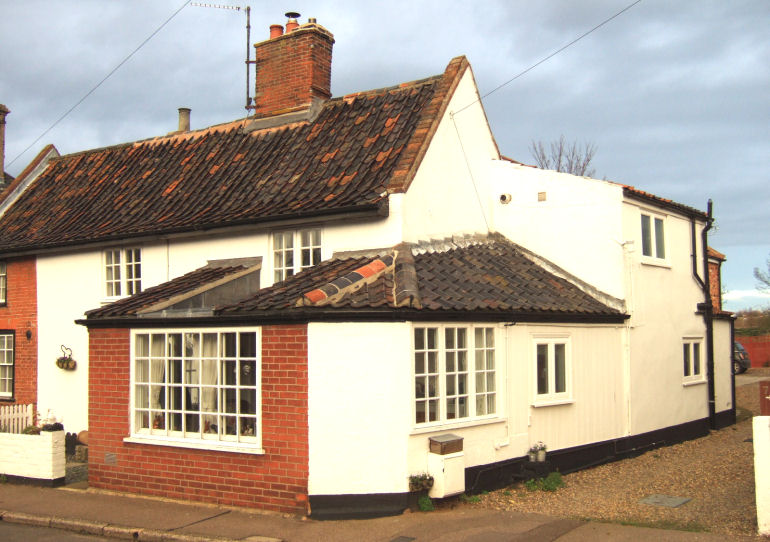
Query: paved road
{"points": [[11, 532]]}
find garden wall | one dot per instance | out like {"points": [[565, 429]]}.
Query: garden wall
{"points": [[37, 459], [758, 347]]}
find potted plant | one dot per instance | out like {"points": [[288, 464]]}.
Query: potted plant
{"points": [[541, 448], [65, 361], [532, 453], [419, 485]]}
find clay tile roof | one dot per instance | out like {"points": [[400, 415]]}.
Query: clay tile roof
{"points": [[488, 275], [713, 253], [641, 195], [356, 150]]}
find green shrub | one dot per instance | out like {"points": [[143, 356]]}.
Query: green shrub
{"points": [[552, 482], [470, 498], [425, 504]]}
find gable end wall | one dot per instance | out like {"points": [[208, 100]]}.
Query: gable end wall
{"points": [[276, 480]]}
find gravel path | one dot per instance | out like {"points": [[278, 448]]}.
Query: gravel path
{"points": [[716, 472]]}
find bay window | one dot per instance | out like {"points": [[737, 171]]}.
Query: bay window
{"points": [[197, 386], [455, 373]]}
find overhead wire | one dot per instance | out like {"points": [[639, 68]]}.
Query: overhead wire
{"points": [[116, 68], [536, 64]]}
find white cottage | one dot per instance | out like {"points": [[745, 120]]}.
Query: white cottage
{"points": [[300, 309]]}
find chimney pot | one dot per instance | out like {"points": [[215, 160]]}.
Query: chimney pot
{"points": [[184, 119], [312, 20], [276, 31], [292, 23]]}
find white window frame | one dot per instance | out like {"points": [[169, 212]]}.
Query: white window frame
{"points": [[234, 430], [295, 250], [122, 272], [3, 283], [658, 250], [551, 396], [693, 361], [7, 364], [479, 396]]}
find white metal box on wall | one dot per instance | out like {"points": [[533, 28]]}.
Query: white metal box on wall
{"points": [[448, 473]]}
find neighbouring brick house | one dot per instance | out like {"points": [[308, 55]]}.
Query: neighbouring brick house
{"points": [[299, 309]]}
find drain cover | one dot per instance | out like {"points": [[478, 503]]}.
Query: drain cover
{"points": [[665, 500]]}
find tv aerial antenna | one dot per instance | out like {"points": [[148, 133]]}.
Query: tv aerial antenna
{"points": [[247, 10]]}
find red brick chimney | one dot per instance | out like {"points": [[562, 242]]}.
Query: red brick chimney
{"points": [[293, 68], [3, 112]]}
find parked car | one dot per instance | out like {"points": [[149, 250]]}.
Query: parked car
{"points": [[741, 361]]}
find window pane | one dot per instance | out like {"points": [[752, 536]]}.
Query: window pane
{"points": [[560, 369], [419, 362], [646, 236], [696, 358], [542, 368], [142, 345], [660, 246], [248, 373], [686, 356], [419, 339]]}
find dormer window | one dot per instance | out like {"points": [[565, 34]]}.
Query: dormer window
{"points": [[123, 271], [294, 251]]}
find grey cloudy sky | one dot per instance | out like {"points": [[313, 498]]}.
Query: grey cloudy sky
{"points": [[675, 95]]}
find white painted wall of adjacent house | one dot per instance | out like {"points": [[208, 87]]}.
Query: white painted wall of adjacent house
{"points": [[663, 296], [577, 225], [446, 196]]}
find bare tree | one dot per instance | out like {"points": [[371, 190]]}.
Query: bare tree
{"points": [[565, 157], [763, 278]]}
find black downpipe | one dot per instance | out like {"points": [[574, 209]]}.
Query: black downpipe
{"points": [[708, 317]]}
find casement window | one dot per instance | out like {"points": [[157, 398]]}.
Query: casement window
{"points": [[294, 251], [692, 358], [553, 370], [6, 365], [455, 373], [199, 387], [653, 236], [123, 271], [3, 283]]}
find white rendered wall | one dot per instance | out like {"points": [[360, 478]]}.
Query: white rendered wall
{"points": [[360, 397], [577, 226], [663, 300], [723, 365], [33, 456], [761, 426], [446, 196]]}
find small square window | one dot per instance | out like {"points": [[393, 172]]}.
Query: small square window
{"points": [[122, 272], [553, 367], [692, 360], [294, 251]]}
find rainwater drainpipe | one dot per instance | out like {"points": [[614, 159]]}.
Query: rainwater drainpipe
{"points": [[707, 309]]}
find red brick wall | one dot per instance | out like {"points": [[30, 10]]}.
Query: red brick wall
{"points": [[715, 284], [292, 69], [276, 480], [758, 348], [19, 314]]}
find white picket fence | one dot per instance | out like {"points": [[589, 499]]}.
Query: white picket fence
{"points": [[14, 418]]}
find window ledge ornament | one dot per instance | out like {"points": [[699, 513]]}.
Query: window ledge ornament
{"points": [[65, 361]]}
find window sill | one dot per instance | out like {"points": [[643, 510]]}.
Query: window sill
{"points": [[554, 402], [435, 428], [655, 262], [216, 446], [693, 383]]}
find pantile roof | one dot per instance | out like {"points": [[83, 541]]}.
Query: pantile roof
{"points": [[464, 276], [356, 150]]}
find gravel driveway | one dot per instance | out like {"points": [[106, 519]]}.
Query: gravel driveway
{"points": [[716, 472]]}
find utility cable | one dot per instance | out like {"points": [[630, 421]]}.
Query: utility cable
{"points": [[536, 64], [116, 68]]}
